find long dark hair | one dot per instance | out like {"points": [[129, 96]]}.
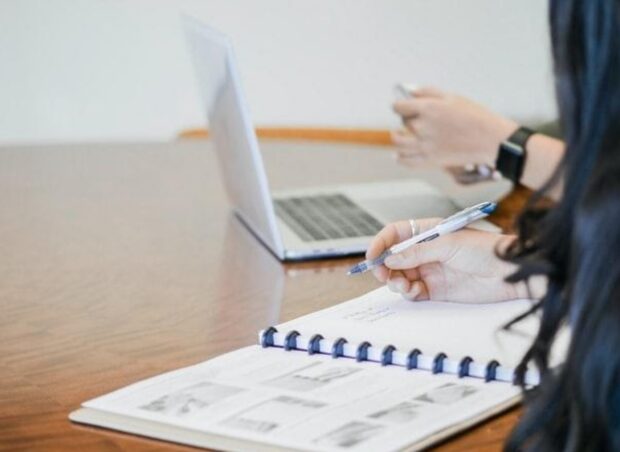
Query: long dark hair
{"points": [[576, 243]]}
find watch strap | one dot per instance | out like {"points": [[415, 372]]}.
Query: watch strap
{"points": [[520, 136], [512, 154]]}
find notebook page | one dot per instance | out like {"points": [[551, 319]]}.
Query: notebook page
{"points": [[304, 402], [456, 329]]}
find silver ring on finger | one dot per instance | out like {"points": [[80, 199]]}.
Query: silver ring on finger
{"points": [[415, 230]]}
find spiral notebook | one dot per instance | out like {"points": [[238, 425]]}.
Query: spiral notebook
{"points": [[376, 373]]}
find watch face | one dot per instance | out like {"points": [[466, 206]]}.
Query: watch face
{"points": [[512, 153], [513, 148], [510, 161]]}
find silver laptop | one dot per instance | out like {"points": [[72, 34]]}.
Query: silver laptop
{"points": [[302, 224]]}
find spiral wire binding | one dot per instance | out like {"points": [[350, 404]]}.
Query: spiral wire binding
{"points": [[362, 351], [412, 358], [464, 366], [386, 355], [491, 371], [438, 363], [290, 343], [266, 339], [338, 347], [314, 346]]}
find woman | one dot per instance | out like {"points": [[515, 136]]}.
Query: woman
{"points": [[572, 250]]}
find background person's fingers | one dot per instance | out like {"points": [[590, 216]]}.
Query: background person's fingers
{"points": [[410, 108], [404, 139], [410, 124], [427, 91], [408, 145], [411, 160], [408, 153]]}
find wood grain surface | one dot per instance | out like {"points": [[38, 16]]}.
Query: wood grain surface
{"points": [[364, 136], [120, 262]]}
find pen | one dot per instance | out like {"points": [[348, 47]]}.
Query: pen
{"points": [[451, 224]]}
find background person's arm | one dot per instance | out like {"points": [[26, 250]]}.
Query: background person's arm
{"points": [[455, 129], [544, 154]]}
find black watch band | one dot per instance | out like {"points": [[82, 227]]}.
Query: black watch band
{"points": [[512, 154]]}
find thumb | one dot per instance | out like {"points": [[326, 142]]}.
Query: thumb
{"points": [[438, 250]]}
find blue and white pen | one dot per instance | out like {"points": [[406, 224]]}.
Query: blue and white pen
{"points": [[451, 224]]}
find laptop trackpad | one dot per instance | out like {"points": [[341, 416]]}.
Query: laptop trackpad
{"points": [[395, 208]]}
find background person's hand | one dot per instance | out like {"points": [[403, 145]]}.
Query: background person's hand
{"points": [[448, 127], [460, 267]]}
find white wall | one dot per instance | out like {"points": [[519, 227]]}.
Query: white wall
{"points": [[119, 70]]}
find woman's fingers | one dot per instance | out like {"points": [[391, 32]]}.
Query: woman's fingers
{"points": [[382, 273], [401, 280], [438, 250], [408, 284], [398, 283], [397, 232], [390, 235], [417, 291]]}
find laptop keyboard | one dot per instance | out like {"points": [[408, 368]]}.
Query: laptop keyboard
{"points": [[326, 217]]}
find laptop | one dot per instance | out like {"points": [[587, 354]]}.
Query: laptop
{"points": [[298, 224]]}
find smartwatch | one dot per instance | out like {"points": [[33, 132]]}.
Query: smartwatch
{"points": [[512, 153]]}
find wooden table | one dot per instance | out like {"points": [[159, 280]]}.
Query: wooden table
{"points": [[119, 262]]}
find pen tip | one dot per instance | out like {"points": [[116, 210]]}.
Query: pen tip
{"points": [[356, 270]]}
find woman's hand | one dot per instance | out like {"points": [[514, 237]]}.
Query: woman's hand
{"points": [[460, 267], [450, 127]]}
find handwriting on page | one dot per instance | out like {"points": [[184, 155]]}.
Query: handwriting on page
{"points": [[370, 314]]}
